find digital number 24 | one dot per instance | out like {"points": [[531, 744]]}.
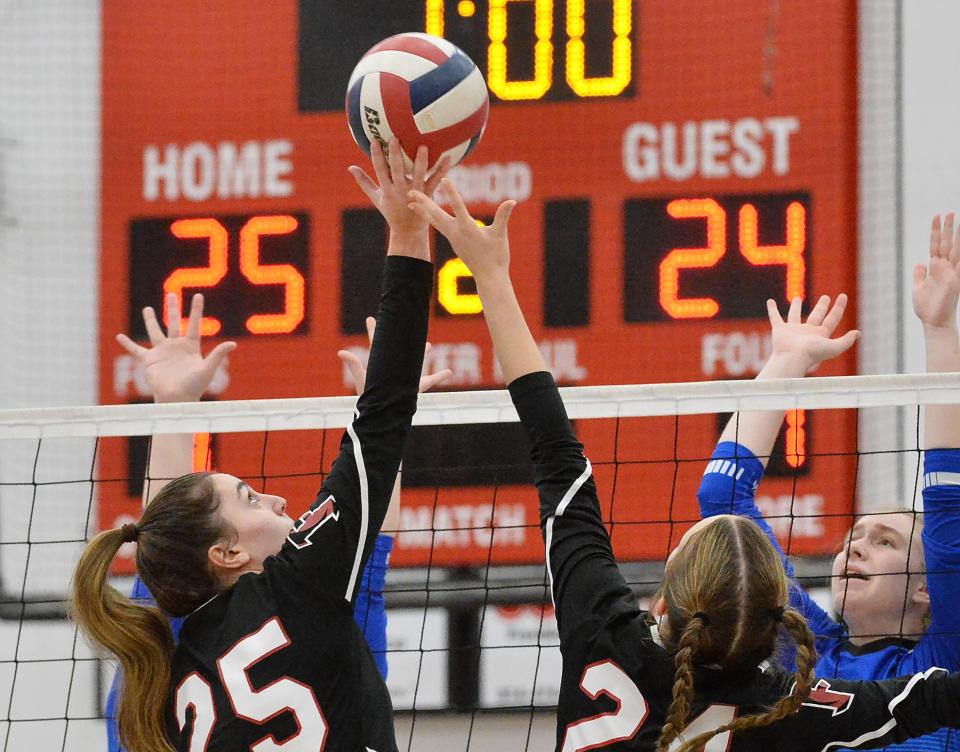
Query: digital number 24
{"points": [[790, 254]]}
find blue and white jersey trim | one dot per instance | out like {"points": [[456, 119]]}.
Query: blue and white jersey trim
{"points": [[941, 479], [728, 468]]}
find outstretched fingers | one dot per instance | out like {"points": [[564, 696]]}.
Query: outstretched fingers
{"points": [[844, 343], [395, 157], [216, 356], [419, 169], [794, 313], [427, 208], [154, 332], [173, 315], [955, 249], [819, 312], [365, 182], [456, 200], [380, 168], [502, 217], [773, 313], [832, 319], [439, 172], [946, 237], [131, 347], [196, 314], [357, 371], [429, 381]]}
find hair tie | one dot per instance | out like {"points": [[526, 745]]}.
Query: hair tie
{"points": [[777, 613], [703, 617], [129, 532]]}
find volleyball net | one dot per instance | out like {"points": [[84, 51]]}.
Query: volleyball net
{"points": [[470, 623]]}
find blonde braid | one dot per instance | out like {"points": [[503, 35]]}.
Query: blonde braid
{"points": [[797, 627], [683, 691]]}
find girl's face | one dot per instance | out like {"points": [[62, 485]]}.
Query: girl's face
{"points": [[260, 522], [877, 583]]}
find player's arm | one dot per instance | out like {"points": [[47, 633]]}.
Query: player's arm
{"points": [[358, 372], [370, 611], [843, 714], [175, 371], [798, 347], [936, 291], [736, 468], [332, 541], [580, 562]]}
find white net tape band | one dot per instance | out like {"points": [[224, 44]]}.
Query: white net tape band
{"points": [[689, 398]]}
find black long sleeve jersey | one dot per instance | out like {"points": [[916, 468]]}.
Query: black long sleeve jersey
{"points": [[617, 677], [277, 659]]}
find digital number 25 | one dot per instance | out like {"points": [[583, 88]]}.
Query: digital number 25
{"points": [[294, 294]]}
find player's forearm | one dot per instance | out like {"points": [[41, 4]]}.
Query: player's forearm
{"points": [[758, 430], [396, 353], [513, 344], [391, 523], [389, 397], [171, 455], [942, 422]]}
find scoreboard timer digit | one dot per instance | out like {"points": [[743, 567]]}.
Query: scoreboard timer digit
{"points": [[676, 164], [528, 51]]}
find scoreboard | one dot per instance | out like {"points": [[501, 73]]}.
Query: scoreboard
{"points": [[676, 164]]}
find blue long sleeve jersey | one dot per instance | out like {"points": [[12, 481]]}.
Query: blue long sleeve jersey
{"points": [[729, 486], [369, 613]]}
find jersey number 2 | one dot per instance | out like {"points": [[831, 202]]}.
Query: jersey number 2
{"points": [[607, 678], [258, 706]]}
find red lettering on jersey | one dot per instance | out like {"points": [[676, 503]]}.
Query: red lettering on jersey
{"points": [[821, 696], [311, 521]]}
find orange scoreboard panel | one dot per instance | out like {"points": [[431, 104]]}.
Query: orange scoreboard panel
{"points": [[676, 164]]}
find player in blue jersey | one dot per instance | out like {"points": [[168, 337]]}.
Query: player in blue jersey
{"points": [[175, 371], [896, 581]]}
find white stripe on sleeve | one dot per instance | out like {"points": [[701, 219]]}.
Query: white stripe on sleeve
{"points": [[561, 508], [364, 507], [886, 727]]}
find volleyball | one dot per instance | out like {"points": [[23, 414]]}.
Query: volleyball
{"points": [[421, 89]]}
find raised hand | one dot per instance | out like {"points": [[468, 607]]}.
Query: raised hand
{"points": [[936, 286], [809, 343], [359, 372], [484, 249], [174, 364], [389, 192]]}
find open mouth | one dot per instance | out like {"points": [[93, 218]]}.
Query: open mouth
{"points": [[855, 576]]}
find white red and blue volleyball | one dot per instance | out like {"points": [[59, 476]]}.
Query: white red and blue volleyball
{"points": [[421, 89]]}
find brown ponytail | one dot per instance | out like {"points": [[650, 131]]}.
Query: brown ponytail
{"points": [[172, 538], [726, 594], [140, 637]]}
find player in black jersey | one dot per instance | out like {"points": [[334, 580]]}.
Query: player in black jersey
{"points": [[701, 675], [269, 654]]}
